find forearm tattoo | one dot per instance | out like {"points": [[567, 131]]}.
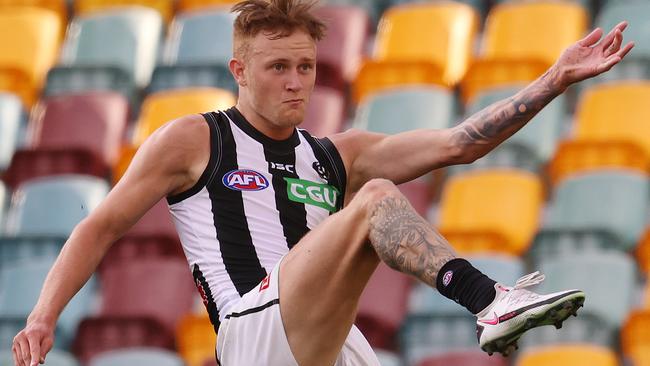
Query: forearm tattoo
{"points": [[406, 242], [495, 123]]}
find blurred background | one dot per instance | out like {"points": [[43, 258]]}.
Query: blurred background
{"points": [[84, 82]]}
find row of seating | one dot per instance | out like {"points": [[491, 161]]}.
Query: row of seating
{"points": [[415, 44]]}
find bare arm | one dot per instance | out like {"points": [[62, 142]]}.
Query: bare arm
{"points": [[170, 161], [408, 155]]}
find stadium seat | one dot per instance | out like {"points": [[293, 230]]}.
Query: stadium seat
{"points": [[530, 147], [502, 268], [192, 76], [387, 358], [127, 152], [196, 339], [60, 7], [609, 289], [29, 45], [3, 205], [382, 306], [200, 38], [587, 328], [162, 107], [610, 201], [11, 111], [191, 5], [101, 334], [343, 47], [85, 78], [126, 39], [624, 102], [324, 114], [138, 288], [441, 33], [419, 193], [20, 286], [137, 356], [495, 210], [153, 236], [569, 355], [425, 335], [464, 358], [384, 112], [642, 252], [93, 121], [54, 205], [54, 358], [521, 40], [377, 76], [635, 337], [164, 7]]}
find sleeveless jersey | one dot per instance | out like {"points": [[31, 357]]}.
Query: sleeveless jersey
{"points": [[256, 198]]}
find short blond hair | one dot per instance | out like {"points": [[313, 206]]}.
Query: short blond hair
{"points": [[280, 18]]}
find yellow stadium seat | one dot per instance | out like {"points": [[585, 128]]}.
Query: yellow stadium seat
{"points": [[378, 76], [635, 337], [29, 45], [612, 129], [187, 5], [495, 210], [569, 355], [127, 152], [440, 32], [164, 7], [162, 107], [642, 252], [491, 74], [196, 339], [533, 30], [58, 6]]}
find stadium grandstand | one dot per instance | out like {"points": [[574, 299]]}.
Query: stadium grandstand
{"points": [[83, 83]]}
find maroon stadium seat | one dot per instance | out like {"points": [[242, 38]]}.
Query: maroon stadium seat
{"points": [[210, 363], [160, 288], [341, 51], [382, 306], [105, 333], [79, 133], [324, 115], [153, 236], [418, 192], [464, 358]]}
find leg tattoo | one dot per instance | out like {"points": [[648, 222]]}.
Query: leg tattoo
{"points": [[406, 242]]}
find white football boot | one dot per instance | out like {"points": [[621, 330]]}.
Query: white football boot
{"points": [[516, 310]]}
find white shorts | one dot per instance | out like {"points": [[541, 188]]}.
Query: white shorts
{"points": [[253, 333]]}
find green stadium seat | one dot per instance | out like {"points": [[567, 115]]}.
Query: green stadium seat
{"points": [[137, 356], [530, 147], [11, 110], [502, 268], [30, 247], [387, 358], [406, 109], [615, 201], [20, 285], [607, 278], [83, 78], [54, 205], [200, 38], [54, 358], [586, 328], [125, 39], [191, 76]]}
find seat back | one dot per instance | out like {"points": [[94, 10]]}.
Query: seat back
{"points": [[569, 355], [164, 7], [137, 356]]}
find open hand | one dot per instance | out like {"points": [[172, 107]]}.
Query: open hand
{"points": [[588, 57]]}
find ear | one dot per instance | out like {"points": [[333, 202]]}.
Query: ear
{"points": [[237, 70]]}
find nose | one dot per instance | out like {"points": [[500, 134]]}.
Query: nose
{"points": [[293, 82]]}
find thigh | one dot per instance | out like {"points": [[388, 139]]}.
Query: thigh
{"points": [[321, 280]]}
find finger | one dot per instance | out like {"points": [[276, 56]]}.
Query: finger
{"points": [[616, 45], [19, 352], [14, 351], [591, 38], [609, 39], [46, 346], [24, 351], [624, 51], [621, 26], [609, 63], [34, 351]]}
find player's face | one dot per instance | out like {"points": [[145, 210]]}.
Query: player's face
{"points": [[281, 75]]}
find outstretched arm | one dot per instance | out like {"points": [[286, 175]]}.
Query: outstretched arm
{"points": [[408, 155]]}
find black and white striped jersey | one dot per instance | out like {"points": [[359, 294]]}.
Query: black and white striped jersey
{"points": [[255, 200]]}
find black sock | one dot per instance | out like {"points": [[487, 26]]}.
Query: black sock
{"points": [[460, 281]]}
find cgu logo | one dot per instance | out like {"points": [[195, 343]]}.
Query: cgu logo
{"points": [[311, 193], [245, 180]]}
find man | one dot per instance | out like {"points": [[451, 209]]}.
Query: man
{"points": [[254, 201]]}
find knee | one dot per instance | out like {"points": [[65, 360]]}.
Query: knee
{"points": [[376, 190]]}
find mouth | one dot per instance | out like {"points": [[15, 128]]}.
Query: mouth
{"points": [[292, 101]]}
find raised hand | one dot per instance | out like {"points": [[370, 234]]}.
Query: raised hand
{"points": [[588, 57]]}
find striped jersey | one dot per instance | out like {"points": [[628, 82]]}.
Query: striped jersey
{"points": [[256, 198]]}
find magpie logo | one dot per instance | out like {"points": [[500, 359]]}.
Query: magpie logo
{"points": [[322, 172]]}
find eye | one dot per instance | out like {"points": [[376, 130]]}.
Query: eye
{"points": [[278, 67], [306, 67]]}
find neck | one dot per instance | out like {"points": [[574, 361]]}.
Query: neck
{"points": [[262, 124]]}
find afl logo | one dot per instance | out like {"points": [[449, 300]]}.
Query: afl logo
{"points": [[245, 180]]}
